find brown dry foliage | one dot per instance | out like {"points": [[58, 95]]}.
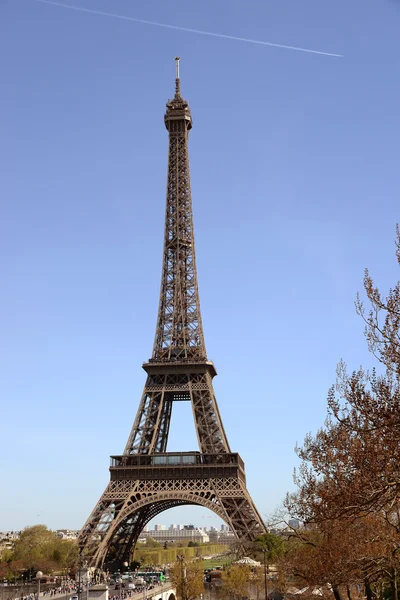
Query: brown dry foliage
{"points": [[348, 484], [187, 576], [236, 580]]}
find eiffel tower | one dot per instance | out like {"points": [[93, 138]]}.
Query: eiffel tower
{"points": [[146, 479]]}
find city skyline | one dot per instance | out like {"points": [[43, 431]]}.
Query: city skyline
{"points": [[12, 534]]}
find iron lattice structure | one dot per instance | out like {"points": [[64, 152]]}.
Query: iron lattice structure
{"points": [[145, 479]]}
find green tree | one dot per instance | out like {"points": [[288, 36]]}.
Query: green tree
{"points": [[268, 549], [65, 554], [268, 546], [35, 548], [38, 548], [151, 543]]}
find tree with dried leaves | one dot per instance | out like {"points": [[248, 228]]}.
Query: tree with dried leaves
{"points": [[343, 555], [236, 580], [187, 576], [350, 471]]}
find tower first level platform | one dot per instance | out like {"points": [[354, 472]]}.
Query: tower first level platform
{"points": [[177, 465]]}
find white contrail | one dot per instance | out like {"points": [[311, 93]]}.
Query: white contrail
{"points": [[198, 31]]}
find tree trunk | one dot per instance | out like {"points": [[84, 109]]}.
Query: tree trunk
{"points": [[394, 586], [336, 592], [368, 591]]}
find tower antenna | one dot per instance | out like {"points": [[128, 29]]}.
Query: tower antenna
{"points": [[177, 79]]}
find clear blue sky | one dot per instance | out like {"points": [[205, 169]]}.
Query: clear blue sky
{"points": [[295, 181]]}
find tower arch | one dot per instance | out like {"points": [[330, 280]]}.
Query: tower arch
{"points": [[113, 547]]}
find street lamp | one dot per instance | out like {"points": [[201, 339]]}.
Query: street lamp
{"points": [[181, 558], [39, 576], [87, 584], [82, 564], [264, 551]]}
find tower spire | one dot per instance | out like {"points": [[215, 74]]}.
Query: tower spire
{"points": [[177, 79], [179, 330]]}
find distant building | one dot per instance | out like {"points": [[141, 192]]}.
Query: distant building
{"points": [[294, 523], [226, 537], [7, 539], [187, 533], [67, 534], [9, 535], [213, 535]]}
